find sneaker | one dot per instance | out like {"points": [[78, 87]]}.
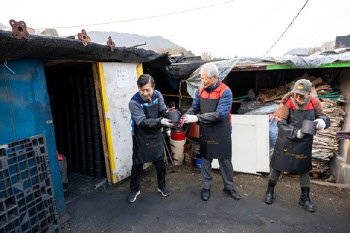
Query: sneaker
{"points": [[132, 196], [164, 191]]}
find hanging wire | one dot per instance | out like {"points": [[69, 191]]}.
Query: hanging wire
{"points": [[5, 64], [142, 18], [286, 29]]}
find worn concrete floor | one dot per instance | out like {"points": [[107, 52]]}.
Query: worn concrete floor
{"points": [[106, 209]]}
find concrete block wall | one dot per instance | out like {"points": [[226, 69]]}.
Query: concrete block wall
{"points": [[339, 167]]}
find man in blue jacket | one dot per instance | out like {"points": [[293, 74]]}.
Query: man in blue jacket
{"points": [[211, 109], [147, 110]]}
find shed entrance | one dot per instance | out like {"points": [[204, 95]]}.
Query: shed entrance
{"points": [[76, 119]]}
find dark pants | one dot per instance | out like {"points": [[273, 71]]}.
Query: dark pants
{"points": [[226, 173], [304, 178], [136, 172]]}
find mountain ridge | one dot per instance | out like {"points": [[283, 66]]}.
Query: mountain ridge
{"points": [[126, 39]]}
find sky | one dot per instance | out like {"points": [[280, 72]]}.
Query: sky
{"points": [[224, 28]]}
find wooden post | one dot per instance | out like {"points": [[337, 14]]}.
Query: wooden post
{"points": [[100, 114], [348, 155]]}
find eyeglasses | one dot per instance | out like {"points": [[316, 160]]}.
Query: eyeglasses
{"points": [[298, 96]]}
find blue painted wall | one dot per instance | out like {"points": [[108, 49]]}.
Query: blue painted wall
{"points": [[24, 110]]}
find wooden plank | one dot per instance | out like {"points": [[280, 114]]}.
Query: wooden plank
{"points": [[189, 97], [107, 125], [54, 63], [345, 186], [100, 114], [178, 96], [248, 68], [348, 155]]}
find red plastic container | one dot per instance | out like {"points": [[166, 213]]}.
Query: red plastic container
{"points": [[178, 136]]}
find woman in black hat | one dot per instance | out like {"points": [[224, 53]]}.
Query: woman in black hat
{"points": [[293, 149]]}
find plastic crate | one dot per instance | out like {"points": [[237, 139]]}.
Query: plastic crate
{"points": [[27, 199]]}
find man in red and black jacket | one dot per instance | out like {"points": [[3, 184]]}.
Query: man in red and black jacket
{"points": [[293, 149], [211, 108]]}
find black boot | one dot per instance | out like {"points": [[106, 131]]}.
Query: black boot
{"points": [[269, 192], [305, 200]]}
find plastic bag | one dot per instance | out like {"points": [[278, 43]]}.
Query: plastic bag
{"points": [[273, 132], [263, 110]]}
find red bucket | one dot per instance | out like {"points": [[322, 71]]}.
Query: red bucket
{"points": [[178, 136]]}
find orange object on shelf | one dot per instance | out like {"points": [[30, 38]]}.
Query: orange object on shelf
{"points": [[193, 131]]}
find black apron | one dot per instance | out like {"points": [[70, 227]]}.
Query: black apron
{"points": [[294, 155], [148, 143], [215, 138]]}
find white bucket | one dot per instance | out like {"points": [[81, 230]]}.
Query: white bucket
{"points": [[177, 149]]}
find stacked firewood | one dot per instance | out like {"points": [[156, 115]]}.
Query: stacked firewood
{"points": [[325, 143]]}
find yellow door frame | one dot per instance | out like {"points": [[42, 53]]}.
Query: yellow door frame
{"points": [[139, 71]]}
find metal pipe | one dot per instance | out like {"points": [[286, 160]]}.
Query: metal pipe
{"points": [[136, 45]]}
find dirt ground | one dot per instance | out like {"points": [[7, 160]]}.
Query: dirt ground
{"points": [[106, 209]]}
